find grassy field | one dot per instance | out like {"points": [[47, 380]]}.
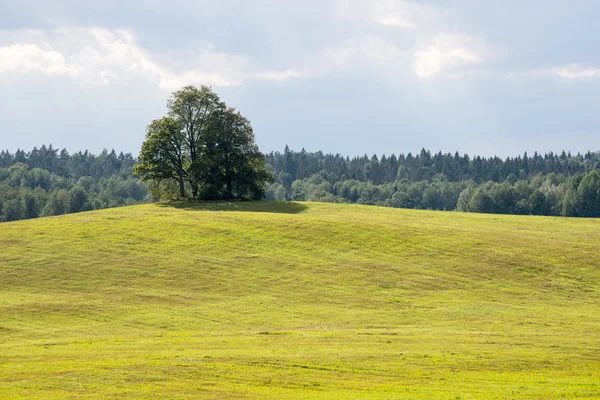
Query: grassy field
{"points": [[299, 301]]}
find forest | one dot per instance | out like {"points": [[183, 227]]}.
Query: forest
{"points": [[550, 184], [46, 181]]}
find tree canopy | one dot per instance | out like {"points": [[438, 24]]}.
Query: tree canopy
{"points": [[204, 149], [46, 181], [549, 184]]}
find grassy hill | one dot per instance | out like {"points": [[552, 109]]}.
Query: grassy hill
{"points": [[299, 301]]}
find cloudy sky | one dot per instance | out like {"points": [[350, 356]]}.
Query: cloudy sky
{"points": [[347, 76]]}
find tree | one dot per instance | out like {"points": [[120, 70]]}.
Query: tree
{"points": [[288, 162], [59, 203], [206, 145], [588, 195], [163, 154], [481, 202], [374, 171], [239, 166], [285, 179], [463, 199], [79, 199], [195, 109], [432, 198], [537, 203], [12, 210]]}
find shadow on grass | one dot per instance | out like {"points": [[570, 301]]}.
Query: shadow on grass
{"points": [[288, 207]]}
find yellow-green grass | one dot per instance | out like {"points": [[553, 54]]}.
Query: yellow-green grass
{"points": [[299, 301]]}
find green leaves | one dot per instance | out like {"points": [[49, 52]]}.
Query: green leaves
{"points": [[207, 148]]}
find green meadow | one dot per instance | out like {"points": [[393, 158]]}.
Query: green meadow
{"points": [[299, 301]]}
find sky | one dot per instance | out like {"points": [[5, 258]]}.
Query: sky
{"points": [[343, 76]]}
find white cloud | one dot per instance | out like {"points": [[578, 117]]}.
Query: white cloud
{"points": [[102, 56], [117, 51], [108, 76], [447, 53], [575, 71], [570, 72], [369, 49], [424, 47], [392, 13], [30, 58], [396, 21], [280, 76]]}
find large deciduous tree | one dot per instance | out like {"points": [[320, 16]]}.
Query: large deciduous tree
{"points": [[588, 195], [241, 164], [204, 146], [163, 154]]}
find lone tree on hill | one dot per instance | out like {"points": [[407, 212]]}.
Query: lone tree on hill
{"points": [[203, 148]]}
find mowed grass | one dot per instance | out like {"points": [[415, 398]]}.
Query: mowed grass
{"points": [[299, 301]]}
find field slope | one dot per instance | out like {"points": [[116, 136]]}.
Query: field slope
{"points": [[299, 301]]}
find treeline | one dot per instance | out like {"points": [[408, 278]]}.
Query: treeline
{"points": [[549, 184], [46, 181]]}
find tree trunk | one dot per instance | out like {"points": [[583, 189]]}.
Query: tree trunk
{"points": [[228, 178], [181, 187], [215, 190], [229, 188]]}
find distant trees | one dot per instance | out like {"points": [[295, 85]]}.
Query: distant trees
{"points": [[203, 147], [549, 184], [227, 164], [583, 196], [45, 182]]}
